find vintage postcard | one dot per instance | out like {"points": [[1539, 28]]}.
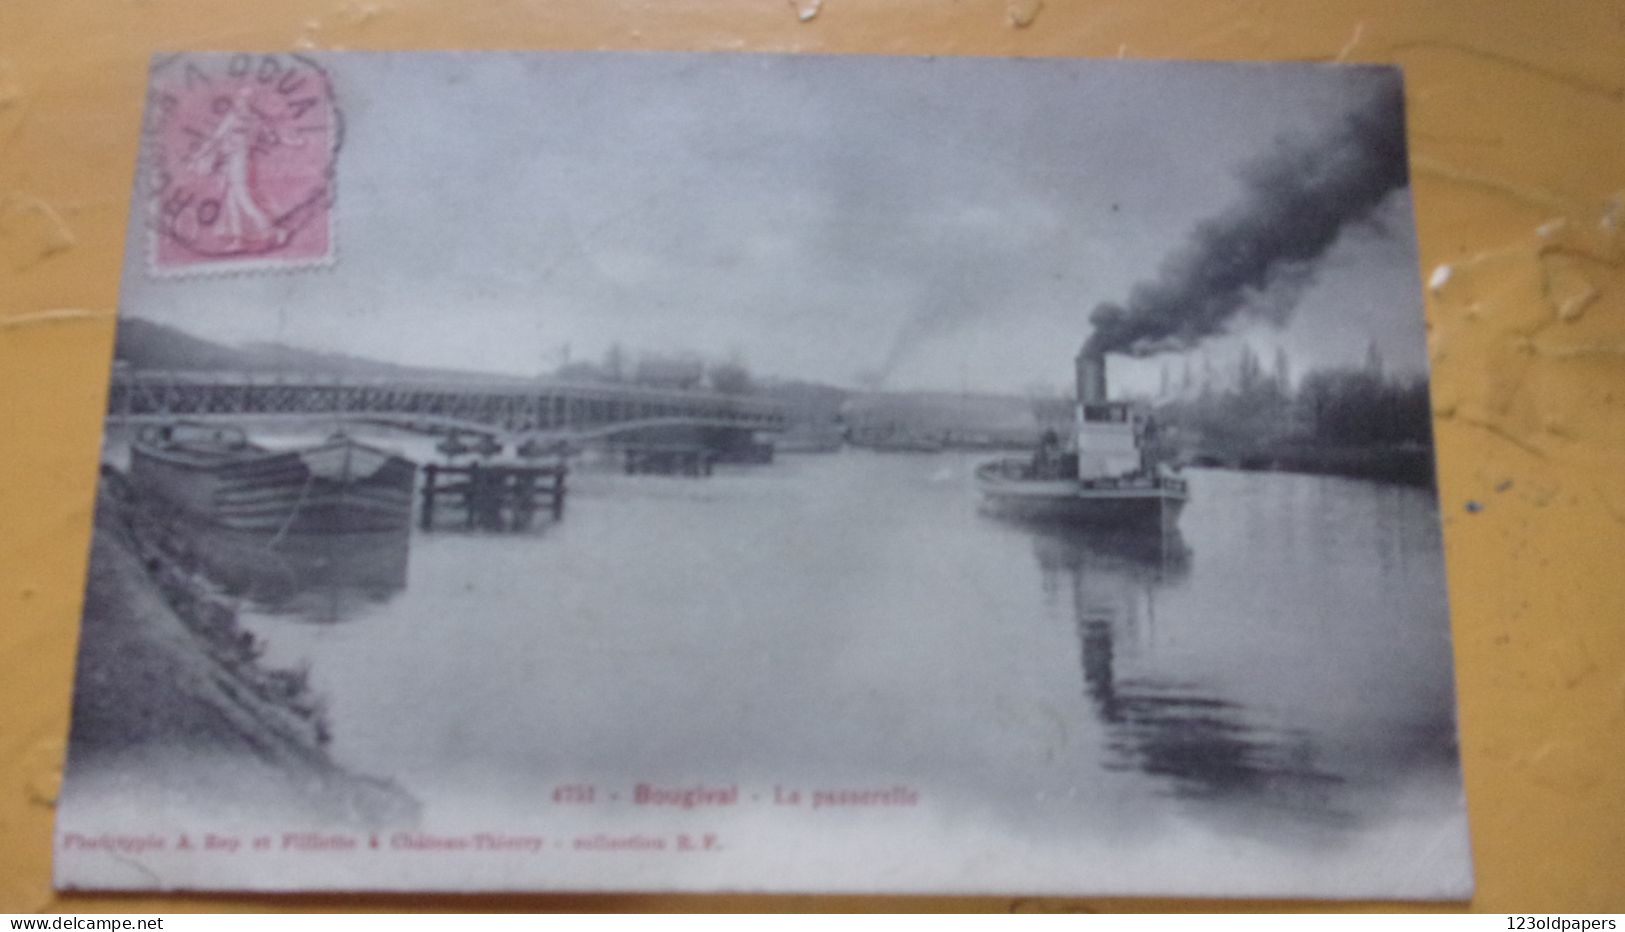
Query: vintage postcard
{"points": [[582, 471]]}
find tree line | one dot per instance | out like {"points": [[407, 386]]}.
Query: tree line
{"points": [[1359, 406], [678, 371]]}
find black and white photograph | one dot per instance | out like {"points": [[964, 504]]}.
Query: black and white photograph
{"points": [[747, 472]]}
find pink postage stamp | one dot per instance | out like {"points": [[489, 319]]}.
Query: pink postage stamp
{"points": [[242, 150]]}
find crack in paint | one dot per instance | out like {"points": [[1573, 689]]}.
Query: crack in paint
{"points": [[1501, 432], [53, 316], [1022, 13], [1615, 93], [1354, 40], [34, 240], [1522, 193]]}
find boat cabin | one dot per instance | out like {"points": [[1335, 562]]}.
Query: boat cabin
{"points": [[1110, 435]]}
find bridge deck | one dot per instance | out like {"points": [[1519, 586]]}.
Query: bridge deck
{"points": [[514, 407]]}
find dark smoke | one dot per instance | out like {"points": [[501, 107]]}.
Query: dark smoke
{"points": [[1260, 255]]}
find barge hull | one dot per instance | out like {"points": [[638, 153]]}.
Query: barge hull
{"points": [[337, 488]]}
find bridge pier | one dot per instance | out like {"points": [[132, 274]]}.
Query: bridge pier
{"points": [[669, 460]]}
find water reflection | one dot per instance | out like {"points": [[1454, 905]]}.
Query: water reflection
{"points": [[319, 578], [1197, 742]]}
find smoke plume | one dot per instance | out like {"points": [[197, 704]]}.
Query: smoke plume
{"points": [[1259, 256]]}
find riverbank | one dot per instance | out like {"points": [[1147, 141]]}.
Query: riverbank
{"points": [[1404, 465], [172, 706]]}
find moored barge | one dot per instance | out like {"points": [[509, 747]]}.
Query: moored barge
{"points": [[216, 475]]}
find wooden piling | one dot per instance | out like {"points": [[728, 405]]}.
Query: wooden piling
{"points": [[493, 497], [426, 519]]}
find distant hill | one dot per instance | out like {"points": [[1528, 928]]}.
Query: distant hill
{"points": [[144, 344]]}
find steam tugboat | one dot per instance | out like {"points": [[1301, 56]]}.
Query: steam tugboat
{"points": [[1110, 479]]}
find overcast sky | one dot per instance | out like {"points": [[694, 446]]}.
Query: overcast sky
{"points": [[806, 212]]}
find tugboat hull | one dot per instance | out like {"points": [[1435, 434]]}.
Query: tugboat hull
{"points": [[1144, 503]]}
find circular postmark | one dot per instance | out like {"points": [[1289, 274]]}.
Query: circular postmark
{"points": [[242, 153]]}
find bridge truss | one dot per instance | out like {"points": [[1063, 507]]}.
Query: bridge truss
{"points": [[513, 408]]}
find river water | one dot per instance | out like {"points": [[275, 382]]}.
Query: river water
{"points": [[1281, 673]]}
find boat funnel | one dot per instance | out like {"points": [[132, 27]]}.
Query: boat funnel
{"points": [[1091, 377]]}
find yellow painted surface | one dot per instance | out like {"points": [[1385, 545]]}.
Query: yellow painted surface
{"points": [[1518, 152]]}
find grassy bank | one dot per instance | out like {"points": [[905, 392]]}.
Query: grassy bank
{"points": [[172, 705]]}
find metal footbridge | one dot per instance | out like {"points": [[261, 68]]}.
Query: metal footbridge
{"points": [[510, 409]]}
